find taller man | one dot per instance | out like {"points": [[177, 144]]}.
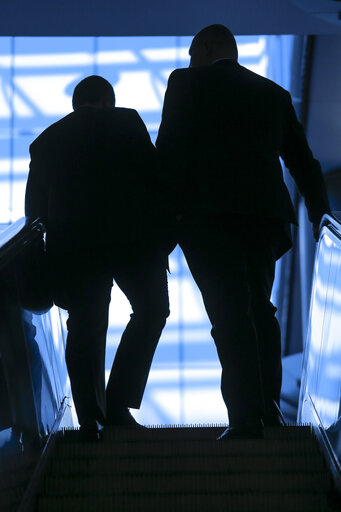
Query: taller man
{"points": [[90, 181], [223, 130]]}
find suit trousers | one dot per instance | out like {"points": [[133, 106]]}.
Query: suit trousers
{"points": [[82, 284], [232, 261]]}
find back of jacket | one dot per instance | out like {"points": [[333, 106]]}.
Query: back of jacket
{"points": [[88, 178], [223, 131]]}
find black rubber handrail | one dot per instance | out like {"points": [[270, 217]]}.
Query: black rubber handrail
{"points": [[14, 238]]}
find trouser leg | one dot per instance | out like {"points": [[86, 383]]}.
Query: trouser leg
{"points": [[85, 347], [261, 271], [144, 282], [221, 272]]}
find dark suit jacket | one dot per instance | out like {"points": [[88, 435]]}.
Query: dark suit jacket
{"points": [[223, 130], [88, 179]]}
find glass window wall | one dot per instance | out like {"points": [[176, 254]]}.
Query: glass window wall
{"points": [[37, 78]]}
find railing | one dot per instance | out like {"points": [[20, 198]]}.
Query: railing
{"points": [[320, 395], [32, 335], [18, 235]]}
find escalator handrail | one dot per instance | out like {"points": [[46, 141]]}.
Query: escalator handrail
{"points": [[14, 238], [333, 222]]}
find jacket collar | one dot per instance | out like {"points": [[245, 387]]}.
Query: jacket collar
{"points": [[225, 62]]}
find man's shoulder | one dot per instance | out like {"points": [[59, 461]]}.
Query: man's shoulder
{"points": [[181, 80], [210, 74], [194, 74], [121, 116], [262, 81], [183, 74], [51, 131], [125, 113]]}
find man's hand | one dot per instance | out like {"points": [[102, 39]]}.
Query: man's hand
{"points": [[316, 231]]}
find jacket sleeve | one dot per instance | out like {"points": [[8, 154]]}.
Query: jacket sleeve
{"points": [[143, 146], [174, 143], [303, 167], [175, 129], [138, 129], [36, 196]]}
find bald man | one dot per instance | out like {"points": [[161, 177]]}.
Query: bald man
{"points": [[223, 130]]}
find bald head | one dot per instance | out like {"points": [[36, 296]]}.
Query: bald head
{"points": [[93, 90], [212, 43]]}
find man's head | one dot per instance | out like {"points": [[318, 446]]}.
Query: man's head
{"points": [[212, 43], [95, 91]]}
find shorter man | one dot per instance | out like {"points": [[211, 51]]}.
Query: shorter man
{"points": [[88, 181]]}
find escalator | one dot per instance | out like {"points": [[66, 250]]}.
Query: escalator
{"points": [[294, 468], [183, 469], [34, 387]]}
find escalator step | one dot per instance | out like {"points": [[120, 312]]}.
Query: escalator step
{"points": [[188, 448], [197, 464], [251, 502], [115, 434], [186, 469], [182, 483], [13, 479], [11, 497], [122, 433]]}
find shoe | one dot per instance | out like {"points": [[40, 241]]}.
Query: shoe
{"points": [[91, 431], [246, 432], [122, 417]]}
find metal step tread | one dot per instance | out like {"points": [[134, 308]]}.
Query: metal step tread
{"points": [[119, 434], [310, 463], [11, 496], [199, 502], [177, 483], [187, 448], [13, 479], [186, 469]]}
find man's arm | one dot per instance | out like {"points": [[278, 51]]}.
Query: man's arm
{"points": [[175, 140], [137, 128], [145, 152], [174, 129], [36, 196], [304, 168]]}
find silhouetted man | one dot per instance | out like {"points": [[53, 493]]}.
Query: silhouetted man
{"points": [[90, 179], [223, 130]]}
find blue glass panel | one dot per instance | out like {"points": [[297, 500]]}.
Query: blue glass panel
{"points": [[45, 342], [138, 68], [5, 128], [279, 49], [320, 396], [20, 167], [46, 70], [321, 381]]}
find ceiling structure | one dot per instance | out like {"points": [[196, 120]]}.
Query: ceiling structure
{"points": [[327, 10], [167, 17]]}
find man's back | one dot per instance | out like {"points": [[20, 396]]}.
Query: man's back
{"points": [[92, 165], [227, 127]]}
